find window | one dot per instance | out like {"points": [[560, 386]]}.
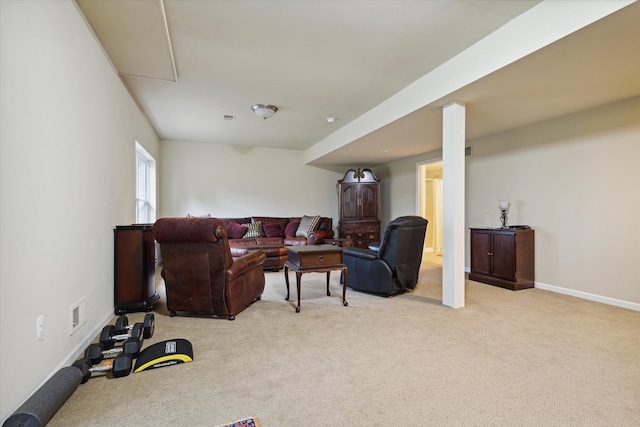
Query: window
{"points": [[145, 186]]}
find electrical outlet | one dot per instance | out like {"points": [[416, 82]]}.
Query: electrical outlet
{"points": [[40, 327]]}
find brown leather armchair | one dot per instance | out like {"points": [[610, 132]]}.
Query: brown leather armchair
{"points": [[200, 275]]}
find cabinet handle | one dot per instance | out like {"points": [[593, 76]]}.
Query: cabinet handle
{"points": [[490, 254]]}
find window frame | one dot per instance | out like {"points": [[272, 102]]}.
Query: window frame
{"points": [[145, 211]]}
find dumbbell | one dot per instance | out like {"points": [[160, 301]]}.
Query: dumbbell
{"points": [[121, 366], [122, 325], [96, 353], [109, 337]]}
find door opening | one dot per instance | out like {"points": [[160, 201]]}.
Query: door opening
{"points": [[430, 207]]}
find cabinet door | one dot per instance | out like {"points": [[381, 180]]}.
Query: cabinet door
{"points": [[349, 202], [369, 202], [481, 252], [504, 255], [129, 266]]}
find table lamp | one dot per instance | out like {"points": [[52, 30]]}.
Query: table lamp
{"points": [[504, 207]]}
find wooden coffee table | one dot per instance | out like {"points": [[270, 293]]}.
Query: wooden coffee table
{"points": [[317, 259]]}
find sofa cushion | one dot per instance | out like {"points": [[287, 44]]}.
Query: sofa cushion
{"points": [[238, 251], [307, 225], [236, 231], [238, 220], [291, 228], [268, 241], [325, 224], [283, 221], [269, 250], [254, 229], [241, 242], [295, 241], [273, 230]]}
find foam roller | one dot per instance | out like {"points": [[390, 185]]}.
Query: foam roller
{"points": [[45, 402]]}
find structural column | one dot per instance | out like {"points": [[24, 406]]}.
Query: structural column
{"points": [[453, 228]]}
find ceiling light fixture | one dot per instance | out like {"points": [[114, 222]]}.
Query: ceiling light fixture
{"points": [[331, 119], [264, 111]]}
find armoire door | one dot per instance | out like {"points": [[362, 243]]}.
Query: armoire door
{"points": [[369, 202], [350, 204]]}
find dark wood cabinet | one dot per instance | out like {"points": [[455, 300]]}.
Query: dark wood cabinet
{"points": [[503, 257], [134, 272], [359, 205]]}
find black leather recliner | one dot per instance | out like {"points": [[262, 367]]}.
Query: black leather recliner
{"points": [[392, 266]]}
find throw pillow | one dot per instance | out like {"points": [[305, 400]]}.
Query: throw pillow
{"points": [[235, 230], [291, 228], [307, 225], [273, 230], [254, 229]]}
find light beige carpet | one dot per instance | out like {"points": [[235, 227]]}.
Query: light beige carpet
{"points": [[526, 358]]}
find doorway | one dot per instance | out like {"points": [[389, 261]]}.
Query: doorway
{"points": [[430, 207]]}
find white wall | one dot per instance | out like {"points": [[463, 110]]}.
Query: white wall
{"points": [[67, 177], [227, 181], [574, 180]]}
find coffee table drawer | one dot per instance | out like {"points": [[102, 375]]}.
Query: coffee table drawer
{"points": [[315, 259], [321, 259]]}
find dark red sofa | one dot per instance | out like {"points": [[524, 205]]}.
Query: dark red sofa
{"points": [[277, 232]]}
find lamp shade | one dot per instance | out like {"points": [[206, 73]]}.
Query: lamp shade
{"points": [[264, 111], [504, 204]]}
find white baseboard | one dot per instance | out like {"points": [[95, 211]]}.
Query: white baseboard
{"points": [[591, 297], [584, 295], [73, 355]]}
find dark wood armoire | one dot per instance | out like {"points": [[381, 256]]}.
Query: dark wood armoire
{"points": [[134, 275], [359, 205]]}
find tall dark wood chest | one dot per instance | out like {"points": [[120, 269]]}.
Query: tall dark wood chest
{"points": [[134, 268], [359, 206]]}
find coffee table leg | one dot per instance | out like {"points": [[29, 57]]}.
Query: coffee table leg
{"points": [[298, 274], [286, 280], [328, 293], [345, 271]]}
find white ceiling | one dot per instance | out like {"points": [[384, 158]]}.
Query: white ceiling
{"points": [[189, 63]]}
